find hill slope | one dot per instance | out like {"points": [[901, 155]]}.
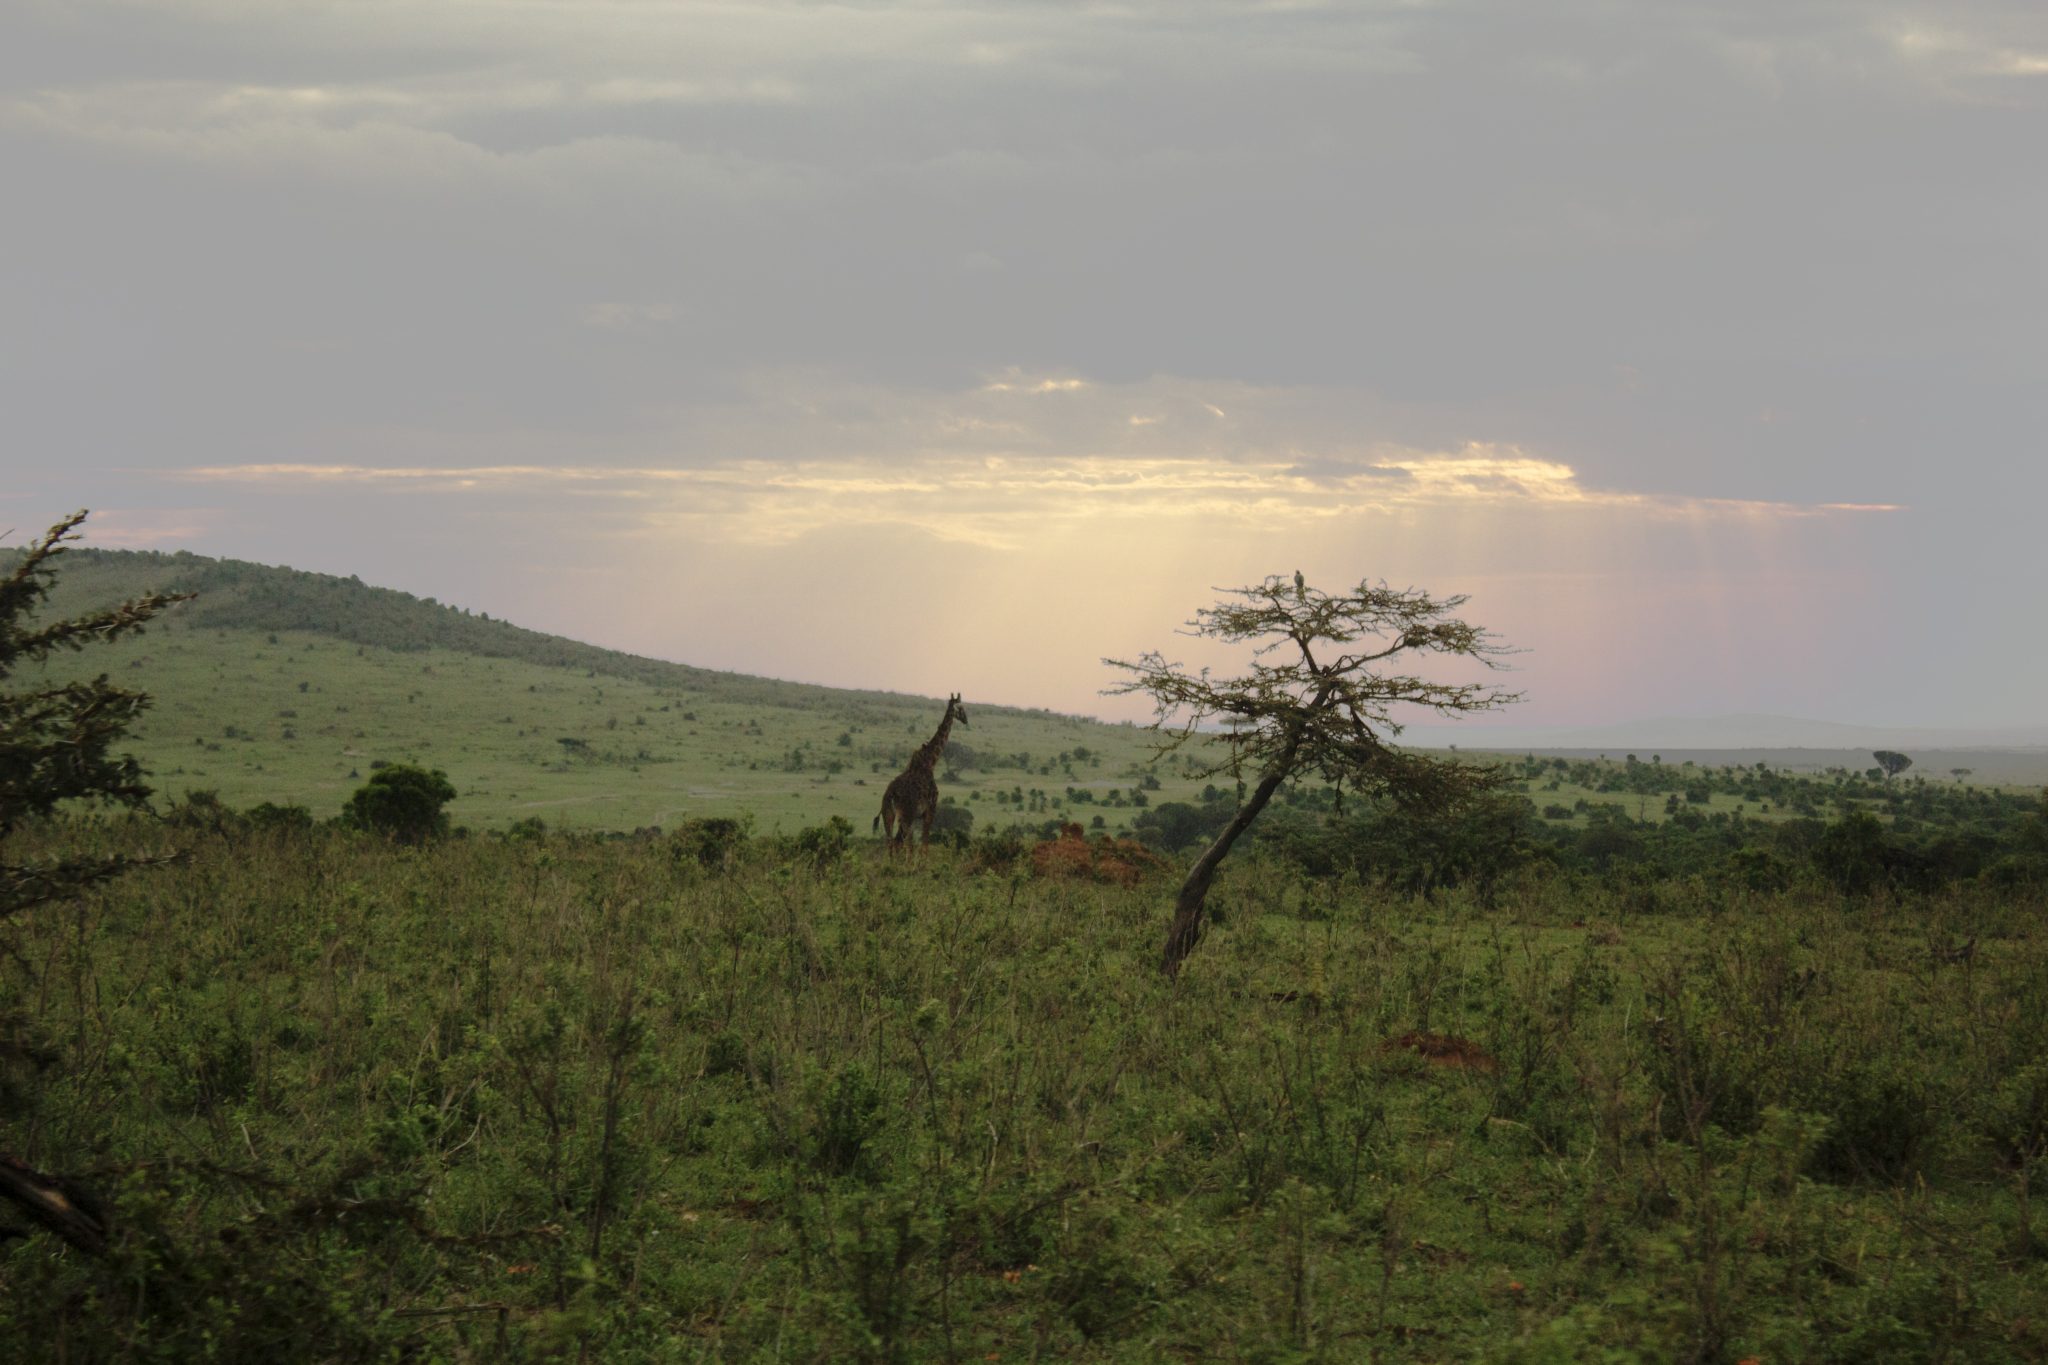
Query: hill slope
{"points": [[287, 686], [236, 595]]}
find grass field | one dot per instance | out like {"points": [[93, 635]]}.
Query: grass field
{"points": [[300, 717], [577, 1099], [303, 718]]}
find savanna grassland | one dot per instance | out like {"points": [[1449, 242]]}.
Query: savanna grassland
{"points": [[704, 1099], [288, 687], [527, 741]]}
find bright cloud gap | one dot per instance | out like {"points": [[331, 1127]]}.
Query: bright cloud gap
{"points": [[999, 501]]}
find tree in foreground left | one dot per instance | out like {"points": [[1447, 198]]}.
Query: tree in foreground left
{"points": [[56, 745], [57, 739]]}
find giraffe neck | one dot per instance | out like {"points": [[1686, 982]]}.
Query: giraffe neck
{"points": [[936, 745]]}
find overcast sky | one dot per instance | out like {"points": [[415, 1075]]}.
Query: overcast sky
{"points": [[952, 346]]}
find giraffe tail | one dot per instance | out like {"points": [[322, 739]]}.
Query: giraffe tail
{"points": [[876, 827]]}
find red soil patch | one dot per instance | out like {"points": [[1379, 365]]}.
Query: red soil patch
{"points": [[1441, 1049], [1121, 862]]}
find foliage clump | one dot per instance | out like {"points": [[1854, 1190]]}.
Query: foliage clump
{"points": [[713, 842], [402, 803], [823, 845]]}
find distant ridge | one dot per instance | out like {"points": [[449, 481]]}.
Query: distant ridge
{"points": [[236, 594], [1725, 732]]}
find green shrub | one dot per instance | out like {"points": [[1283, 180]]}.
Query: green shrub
{"points": [[1704, 1070], [725, 1055], [825, 844], [712, 843], [1098, 1282], [402, 803], [1882, 1121], [276, 819], [845, 1115], [953, 825]]}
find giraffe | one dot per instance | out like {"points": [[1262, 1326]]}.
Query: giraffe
{"points": [[913, 795]]}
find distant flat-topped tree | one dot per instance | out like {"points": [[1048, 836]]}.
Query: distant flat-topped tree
{"points": [[1323, 705]]}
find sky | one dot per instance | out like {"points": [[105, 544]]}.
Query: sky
{"points": [[955, 346]]}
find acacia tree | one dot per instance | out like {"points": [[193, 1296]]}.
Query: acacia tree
{"points": [[1319, 700], [1893, 763]]}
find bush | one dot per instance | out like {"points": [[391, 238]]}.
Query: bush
{"points": [[1000, 849], [201, 808], [403, 803], [954, 825], [1882, 1122], [713, 843], [825, 844], [1177, 825], [268, 815], [847, 1114], [1853, 854], [531, 830]]}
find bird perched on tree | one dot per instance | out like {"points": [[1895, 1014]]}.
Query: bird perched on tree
{"points": [[1300, 584]]}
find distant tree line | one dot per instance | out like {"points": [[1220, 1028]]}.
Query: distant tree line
{"points": [[1847, 831]]}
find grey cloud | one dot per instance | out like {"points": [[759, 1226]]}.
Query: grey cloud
{"points": [[1480, 212]]}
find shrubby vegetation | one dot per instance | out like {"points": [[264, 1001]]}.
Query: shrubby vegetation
{"points": [[714, 1093], [1849, 832], [401, 802]]}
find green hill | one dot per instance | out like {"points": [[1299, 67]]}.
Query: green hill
{"points": [[279, 685]]}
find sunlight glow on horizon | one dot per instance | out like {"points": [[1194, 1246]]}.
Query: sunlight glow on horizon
{"points": [[1009, 576]]}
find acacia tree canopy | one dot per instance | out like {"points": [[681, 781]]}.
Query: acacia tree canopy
{"points": [[1319, 698]]}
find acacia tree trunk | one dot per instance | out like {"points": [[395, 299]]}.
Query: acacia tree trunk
{"points": [[1192, 902], [59, 1205]]}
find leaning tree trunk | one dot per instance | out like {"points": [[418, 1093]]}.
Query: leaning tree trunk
{"points": [[57, 1204], [1190, 906]]}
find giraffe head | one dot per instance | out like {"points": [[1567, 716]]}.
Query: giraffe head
{"points": [[955, 711]]}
